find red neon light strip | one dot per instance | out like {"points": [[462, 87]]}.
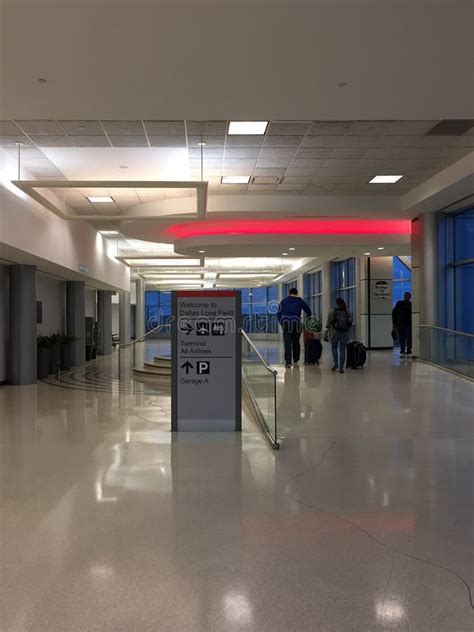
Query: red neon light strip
{"points": [[290, 227]]}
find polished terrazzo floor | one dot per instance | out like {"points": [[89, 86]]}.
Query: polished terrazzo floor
{"points": [[362, 521]]}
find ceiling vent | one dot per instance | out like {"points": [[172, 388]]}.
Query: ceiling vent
{"points": [[451, 127]]}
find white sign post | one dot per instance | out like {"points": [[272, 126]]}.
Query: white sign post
{"points": [[206, 360]]}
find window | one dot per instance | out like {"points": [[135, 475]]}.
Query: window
{"points": [[401, 277], [456, 270], [343, 283], [313, 292], [157, 309], [259, 310], [287, 287]]}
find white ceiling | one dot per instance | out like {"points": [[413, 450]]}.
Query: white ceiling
{"points": [[213, 60]]}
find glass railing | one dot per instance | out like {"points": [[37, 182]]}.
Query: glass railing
{"points": [[453, 350], [259, 386]]}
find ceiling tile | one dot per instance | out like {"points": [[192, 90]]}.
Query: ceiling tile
{"points": [[297, 180], [300, 171], [282, 141], [290, 187], [206, 128], [38, 127], [318, 189], [314, 152], [318, 180], [51, 141], [82, 128], [369, 128], [322, 141], [235, 163], [350, 152], [207, 172], [90, 141], [359, 141], [167, 141], [307, 163], [10, 141], [273, 163], [268, 172], [236, 171], [261, 188], [289, 128], [128, 141], [211, 141], [242, 152], [209, 163], [277, 152], [329, 128], [8, 128], [165, 128], [123, 128], [208, 152], [244, 141]]}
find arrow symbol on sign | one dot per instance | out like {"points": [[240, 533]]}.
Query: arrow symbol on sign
{"points": [[187, 328], [187, 366]]}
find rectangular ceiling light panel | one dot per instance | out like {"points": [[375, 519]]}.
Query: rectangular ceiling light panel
{"points": [[385, 179], [247, 128], [100, 199], [235, 179]]}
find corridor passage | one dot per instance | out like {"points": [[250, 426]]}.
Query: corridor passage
{"points": [[362, 521]]}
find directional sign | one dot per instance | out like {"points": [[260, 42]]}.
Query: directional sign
{"points": [[206, 364]]}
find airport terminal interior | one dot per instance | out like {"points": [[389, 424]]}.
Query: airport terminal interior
{"points": [[175, 178]]}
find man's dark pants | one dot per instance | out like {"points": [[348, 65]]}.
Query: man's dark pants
{"points": [[291, 340], [404, 337]]}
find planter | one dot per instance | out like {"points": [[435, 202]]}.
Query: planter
{"points": [[54, 360], [43, 359], [66, 353]]}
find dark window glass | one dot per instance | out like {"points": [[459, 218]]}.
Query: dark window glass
{"points": [[464, 236], [464, 292]]}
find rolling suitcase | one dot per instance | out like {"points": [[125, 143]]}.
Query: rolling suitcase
{"points": [[356, 355], [312, 351]]}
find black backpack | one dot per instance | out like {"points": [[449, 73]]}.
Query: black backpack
{"points": [[341, 320]]}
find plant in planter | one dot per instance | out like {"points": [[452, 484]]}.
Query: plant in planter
{"points": [[55, 354], [43, 356], [66, 342]]}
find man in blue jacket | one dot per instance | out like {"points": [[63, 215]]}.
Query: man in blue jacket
{"points": [[289, 317]]}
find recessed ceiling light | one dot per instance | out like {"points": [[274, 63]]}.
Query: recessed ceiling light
{"points": [[235, 179], [381, 248], [201, 252], [41, 80], [285, 254], [367, 254], [385, 179], [100, 199], [18, 143], [109, 233], [202, 143], [291, 248], [257, 128]]}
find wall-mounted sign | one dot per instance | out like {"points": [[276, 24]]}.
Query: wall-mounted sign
{"points": [[206, 360], [382, 290]]}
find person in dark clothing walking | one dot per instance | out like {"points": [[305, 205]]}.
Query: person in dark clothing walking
{"points": [[401, 319], [338, 326], [289, 317]]}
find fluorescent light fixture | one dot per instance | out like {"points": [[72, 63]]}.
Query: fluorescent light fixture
{"points": [[235, 179], [165, 262], [172, 277], [385, 179], [367, 254], [257, 128], [100, 199], [291, 248], [285, 254], [109, 233], [381, 248], [201, 252], [244, 275]]}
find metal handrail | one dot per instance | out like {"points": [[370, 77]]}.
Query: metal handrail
{"points": [[254, 348], [451, 331], [132, 344]]}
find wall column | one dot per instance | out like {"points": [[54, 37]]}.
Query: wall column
{"points": [[140, 309], [124, 317], [75, 320], [104, 310], [424, 274], [22, 324], [4, 322]]}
